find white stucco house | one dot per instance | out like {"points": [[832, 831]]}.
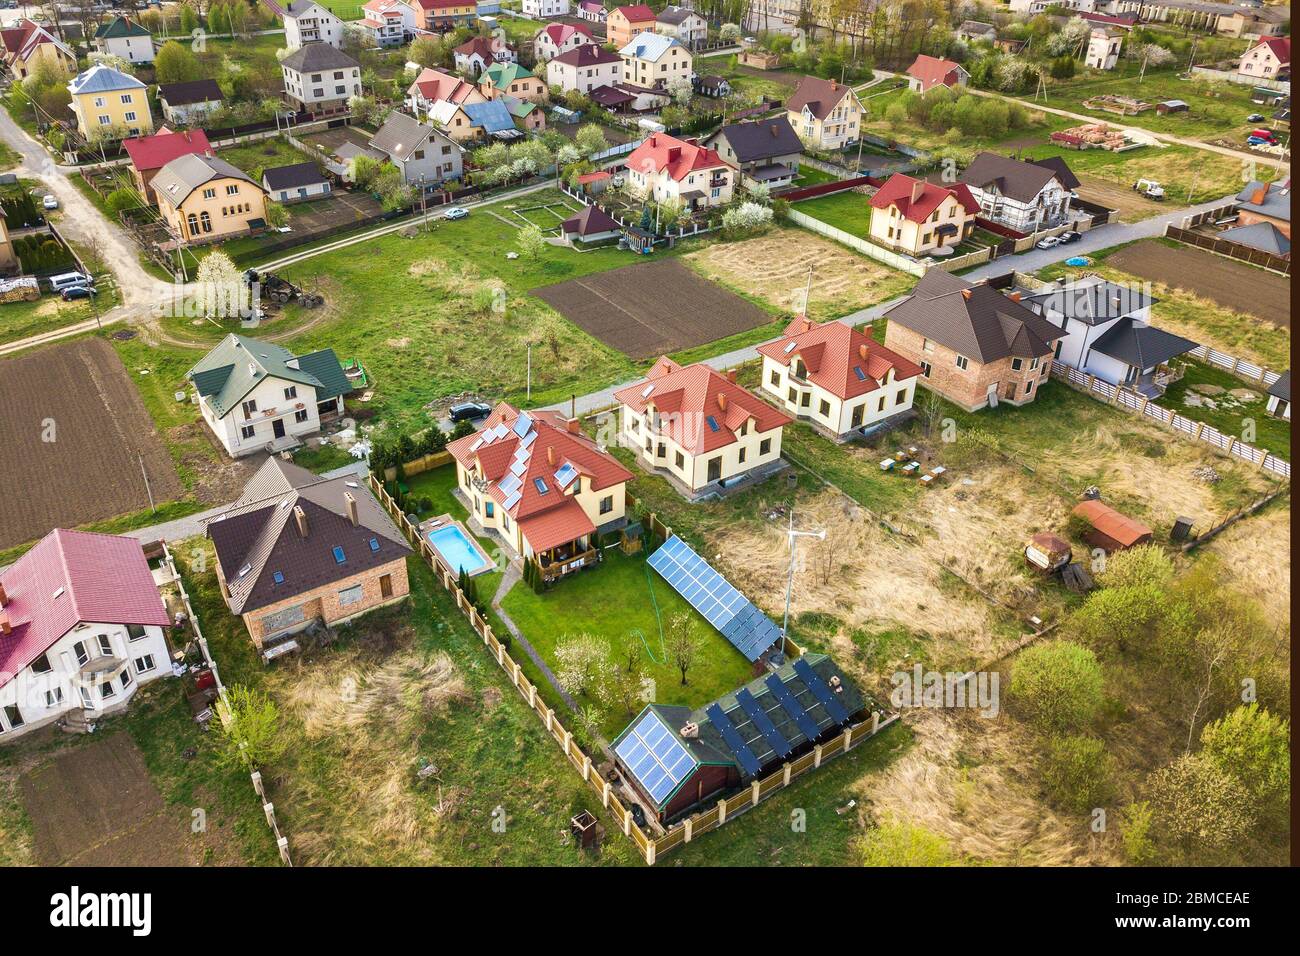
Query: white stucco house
{"points": [[256, 396], [82, 628], [1103, 48], [308, 22], [1025, 196], [541, 9], [124, 38]]}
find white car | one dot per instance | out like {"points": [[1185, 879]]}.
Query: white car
{"points": [[456, 212], [1048, 242], [50, 202]]}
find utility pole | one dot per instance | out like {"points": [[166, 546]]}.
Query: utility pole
{"points": [[145, 476], [529, 392], [793, 535]]}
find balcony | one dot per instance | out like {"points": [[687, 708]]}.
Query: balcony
{"points": [[565, 559]]}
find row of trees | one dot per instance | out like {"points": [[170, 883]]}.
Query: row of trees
{"points": [[943, 109]]}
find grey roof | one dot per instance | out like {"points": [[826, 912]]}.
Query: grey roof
{"points": [[400, 136], [763, 139], [191, 91], [237, 364], [1263, 236], [1063, 172], [259, 536], [1140, 346], [184, 174], [674, 15], [1282, 387], [1094, 301], [1276, 204], [1014, 178], [102, 78], [314, 57], [289, 177], [976, 321], [975, 26]]}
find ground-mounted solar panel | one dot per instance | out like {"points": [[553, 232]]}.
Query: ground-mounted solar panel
{"points": [[733, 614], [792, 707], [723, 725], [775, 739], [654, 755], [821, 691]]}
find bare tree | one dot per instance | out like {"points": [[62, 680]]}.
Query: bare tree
{"points": [[683, 643]]}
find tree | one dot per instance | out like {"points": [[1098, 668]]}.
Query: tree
{"points": [[121, 199], [1135, 833], [249, 724], [583, 666], [277, 216], [683, 643], [729, 32], [531, 242], [748, 217], [896, 115], [1155, 55], [220, 285], [681, 90], [1117, 618], [1147, 564], [189, 19], [426, 51], [897, 843], [1199, 811], [590, 139], [176, 63], [1057, 686], [1076, 773], [1255, 747]]}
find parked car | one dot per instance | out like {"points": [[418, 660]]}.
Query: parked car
{"points": [[1047, 242], [1066, 238], [456, 212], [469, 411], [77, 292], [50, 201], [1255, 118]]}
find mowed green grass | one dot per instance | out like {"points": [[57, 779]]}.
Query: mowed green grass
{"points": [[849, 211], [1233, 416], [256, 157]]}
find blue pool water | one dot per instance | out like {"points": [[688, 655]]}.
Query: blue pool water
{"points": [[457, 550], [1077, 261]]}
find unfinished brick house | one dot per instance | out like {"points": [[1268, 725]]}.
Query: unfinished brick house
{"points": [[976, 347], [297, 548]]}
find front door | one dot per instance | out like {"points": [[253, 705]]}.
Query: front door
{"points": [[715, 469], [386, 585], [277, 428]]}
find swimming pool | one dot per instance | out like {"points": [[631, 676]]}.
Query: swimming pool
{"points": [[1078, 261], [458, 550]]}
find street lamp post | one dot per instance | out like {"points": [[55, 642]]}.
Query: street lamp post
{"points": [[792, 535]]}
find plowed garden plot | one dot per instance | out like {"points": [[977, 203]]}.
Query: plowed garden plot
{"points": [[74, 434], [1234, 285], [652, 308]]}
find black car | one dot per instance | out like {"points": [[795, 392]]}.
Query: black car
{"points": [[76, 292], [1068, 237], [469, 411]]}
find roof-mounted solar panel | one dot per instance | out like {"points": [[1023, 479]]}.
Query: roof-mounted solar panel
{"points": [[792, 707], [645, 392], [790, 347], [723, 725], [564, 477], [523, 424], [655, 757], [821, 691], [512, 500], [775, 739]]}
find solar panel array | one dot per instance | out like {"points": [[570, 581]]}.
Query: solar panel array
{"points": [[748, 762], [748, 629], [820, 690], [780, 746], [654, 755]]}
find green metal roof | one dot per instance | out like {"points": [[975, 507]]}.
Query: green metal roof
{"points": [[238, 364], [120, 27], [503, 74]]}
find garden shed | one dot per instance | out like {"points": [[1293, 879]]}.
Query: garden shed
{"points": [[1110, 530]]}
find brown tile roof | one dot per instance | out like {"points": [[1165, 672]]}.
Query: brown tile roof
{"points": [[820, 96], [834, 355]]}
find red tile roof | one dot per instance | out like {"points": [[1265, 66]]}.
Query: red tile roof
{"points": [[687, 398], [156, 151], [435, 85], [637, 13], [587, 54], [533, 460], [932, 71], [72, 577], [483, 46], [1281, 47], [558, 525], [831, 351], [916, 199], [678, 156]]}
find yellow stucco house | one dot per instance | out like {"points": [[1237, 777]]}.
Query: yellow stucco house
{"points": [[110, 104], [916, 217], [205, 199]]}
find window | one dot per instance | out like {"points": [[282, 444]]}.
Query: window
{"points": [[352, 595], [900, 397], [794, 396], [144, 664], [107, 690], [339, 556], [633, 424], [248, 431], [824, 408], [86, 700], [54, 697], [926, 368], [489, 509], [741, 457], [134, 632], [1016, 364], [126, 679], [14, 714], [291, 391], [42, 665], [765, 446], [205, 220], [374, 544], [300, 416], [680, 461], [278, 577], [249, 407], [606, 504], [99, 101], [776, 378], [540, 485], [126, 98], [806, 399], [1029, 386], [105, 645], [209, 194], [79, 649], [962, 362], [927, 345], [880, 406], [1033, 364], [857, 416], [105, 120], [129, 116]]}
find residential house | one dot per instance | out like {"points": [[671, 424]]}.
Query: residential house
{"points": [[973, 31], [684, 25], [308, 22], [584, 68], [652, 61], [189, 103], [765, 152], [298, 182], [124, 38], [837, 377], [426, 156], [385, 22], [927, 72], [698, 428], [511, 79], [320, 79], [27, 44], [541, 487], [256, 396], [440, 16], [623, 23], [975, 346], [476, 122], [1266, 202], [297, 548], [593, 11], [478, 53], [1269, 59], [434, 86], [1279, 396], [921, 218], [1103, 48], [1024, 196], [82, 628], [824, 113], [592, 224], [109, 104], [527, 115], [149, 154], [667, 169], [1108, 333], [556, 38], [205, 199], [542, 9], [1261, 236], [711, 85]]}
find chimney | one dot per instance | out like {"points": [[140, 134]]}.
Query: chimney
{"points": [[550, 455], [1260, 194], [807, 323], [731, 375], [862, 351], [300, 516], [918, 187], [1014, 297], [722, 401], [674, 153], [351, 503], [835, 85], [5, 627], [574, 426], [965, 293], [773, 130], [4, 598]]}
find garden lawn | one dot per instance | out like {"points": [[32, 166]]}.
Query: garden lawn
{"points": [[913, 134], [613, 602], [1231, 414], [18, 320], [259, 155], [849, 211], [9, 157]]}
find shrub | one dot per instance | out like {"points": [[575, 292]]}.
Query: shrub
{"points": [[898, 843], [1057, 686], [1076, 773]]}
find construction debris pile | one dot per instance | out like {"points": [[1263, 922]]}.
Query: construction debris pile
{"points": [[1091, 136], [1114, 103]]}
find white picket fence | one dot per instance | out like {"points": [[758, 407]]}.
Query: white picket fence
{"points": [[1228, 445], [1239, 367]]}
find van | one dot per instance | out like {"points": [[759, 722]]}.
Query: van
{"points": [[68, 279]]}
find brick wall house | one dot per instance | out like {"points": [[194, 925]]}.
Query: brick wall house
{"points": [[968, 387]]}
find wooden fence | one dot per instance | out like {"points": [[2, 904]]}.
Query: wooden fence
{"points": [[1228, 445], [649, 846], [1230, 250]]}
